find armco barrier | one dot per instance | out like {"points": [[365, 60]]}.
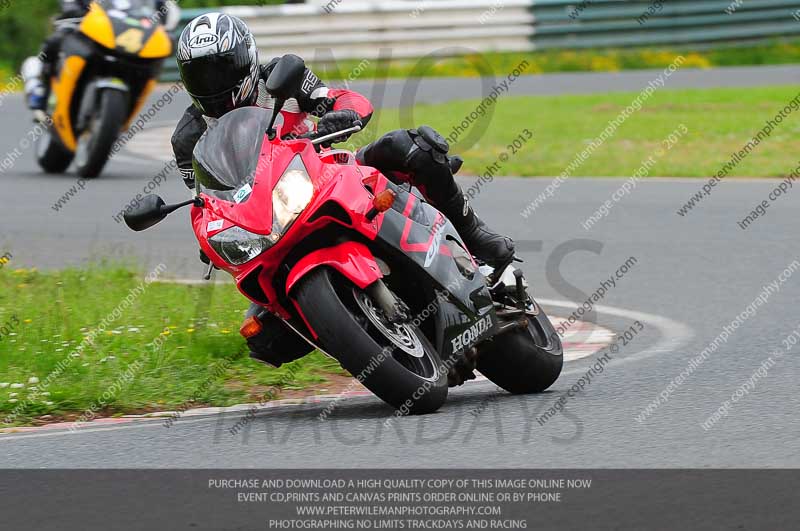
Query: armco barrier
{"points": [[324, 30]]}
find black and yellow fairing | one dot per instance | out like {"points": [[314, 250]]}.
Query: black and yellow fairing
{"points": [[109, 43], [140, 37]]}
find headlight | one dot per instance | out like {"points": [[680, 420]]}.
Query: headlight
{"points": [[291, 196], [238, 246]]}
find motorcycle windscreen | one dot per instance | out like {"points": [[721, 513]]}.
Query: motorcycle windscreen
{"points": [[225, 162]]}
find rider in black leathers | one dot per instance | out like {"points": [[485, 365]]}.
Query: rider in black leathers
{"points": [[220, 81]]}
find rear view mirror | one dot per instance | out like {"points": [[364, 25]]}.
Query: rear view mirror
{"points": [[149, 212], [287, 77]]}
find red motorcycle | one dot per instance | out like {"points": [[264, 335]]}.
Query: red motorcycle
{"points": [[354, 265]]}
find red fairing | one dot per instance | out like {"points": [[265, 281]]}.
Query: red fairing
{"points": [[352, 101], [352, 259]]}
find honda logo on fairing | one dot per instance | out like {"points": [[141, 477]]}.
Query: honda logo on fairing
{"points": [[471, 334]]}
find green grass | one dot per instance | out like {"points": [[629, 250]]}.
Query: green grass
{"points": [[719, 121], [198, 325]]}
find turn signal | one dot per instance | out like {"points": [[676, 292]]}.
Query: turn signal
{"points": [[382, 202], [251, 327]]}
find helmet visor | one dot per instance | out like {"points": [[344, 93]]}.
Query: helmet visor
{"points": [[217, 106], [213, 81]]}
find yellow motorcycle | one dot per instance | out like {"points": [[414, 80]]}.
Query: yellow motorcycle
{"points": [[107, 68]]}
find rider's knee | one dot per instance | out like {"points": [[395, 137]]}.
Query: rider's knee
{"points": [[389, 151]]}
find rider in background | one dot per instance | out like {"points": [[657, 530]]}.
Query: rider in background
{"points": [[218, 61], [38, 70]]}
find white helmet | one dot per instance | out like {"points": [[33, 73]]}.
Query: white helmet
{"points": [[218, 62]]}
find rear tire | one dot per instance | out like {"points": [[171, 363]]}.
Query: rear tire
{"points": [[330, 305], [51, 154], [524, 361], [104, 131]]}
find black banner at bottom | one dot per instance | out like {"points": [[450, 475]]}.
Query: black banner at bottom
{"points": [[123, 500]]}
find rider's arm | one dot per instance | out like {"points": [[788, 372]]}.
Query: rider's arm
{"points": [[317, 99], [187, 133]]}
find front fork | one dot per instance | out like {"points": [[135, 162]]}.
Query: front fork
{"points": [[91, 99]]}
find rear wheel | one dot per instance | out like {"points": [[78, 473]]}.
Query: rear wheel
{"points": [[51, 154], [394, 361], [95, 143], [523, 361]]}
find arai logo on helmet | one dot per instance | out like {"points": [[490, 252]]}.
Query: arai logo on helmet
{"points": [[203, 40]]}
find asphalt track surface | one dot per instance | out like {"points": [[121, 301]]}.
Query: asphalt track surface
{"points": [[693, 275]]}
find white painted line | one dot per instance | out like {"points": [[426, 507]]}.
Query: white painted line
{"points": [[674, 334]]}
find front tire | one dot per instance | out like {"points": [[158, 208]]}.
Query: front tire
{"points": [[94, 145], [524, 361], [339, 313]]}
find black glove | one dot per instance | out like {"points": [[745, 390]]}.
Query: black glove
{"points": [[335, 121]]}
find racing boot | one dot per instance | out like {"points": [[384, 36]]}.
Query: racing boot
{"points": [[485, 244], [35, 76]]}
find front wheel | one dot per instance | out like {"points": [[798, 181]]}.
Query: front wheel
{"points": [[94, 144], [524, 361], [394, 361]]}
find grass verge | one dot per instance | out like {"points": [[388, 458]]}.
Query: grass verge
{"points": [[44, 316], [719, 122]]}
